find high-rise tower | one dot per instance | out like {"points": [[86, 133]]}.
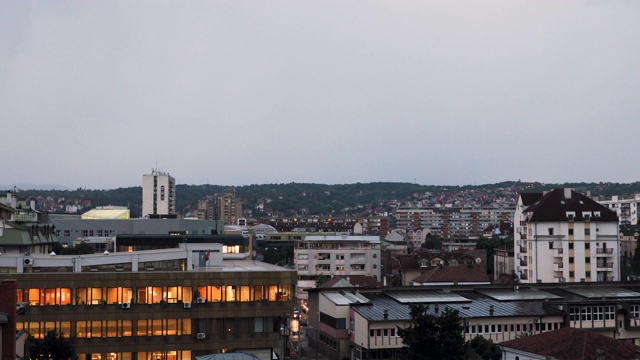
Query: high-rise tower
{"points": [[158, 194]]}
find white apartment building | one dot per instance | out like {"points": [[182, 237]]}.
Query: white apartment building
{"points": [[334, 255], [626, 207], [451, 223], [564, 236], [158, 194]]}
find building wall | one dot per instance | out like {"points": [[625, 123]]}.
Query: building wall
{"points": [[158, 194], [70, 228], [241, 310], [451, 223], [349, 256]]}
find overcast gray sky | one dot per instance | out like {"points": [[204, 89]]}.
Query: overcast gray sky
{"points": [[95, 94]]}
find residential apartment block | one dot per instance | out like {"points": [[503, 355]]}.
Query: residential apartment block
{"points": [[450, 223], [226, 207], [158, 194], [626, 207], [334, 255], [354, 225], [564, 236]]}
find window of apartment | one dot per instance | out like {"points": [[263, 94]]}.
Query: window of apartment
{"points": [[574, 313], [303, 267], [570, 232], [570, 259], [586, 313], [550, 231], [587, 246], [634, 311], [572, 274], [570, 246], [85, 233], [587, 274], [587, 260], [598, 313], [550, 245], [303, 256], [609, 312], [587, 231]]}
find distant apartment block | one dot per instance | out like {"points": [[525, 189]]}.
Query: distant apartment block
{"points": [[449, 222], [334, 255], [158, 194], [355, 225], [564, 236], [626, 207], [226, 207]]}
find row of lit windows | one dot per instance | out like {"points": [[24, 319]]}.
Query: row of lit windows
{"points": [[152, 294], [154, 355], [84, 329], [109, 328]]}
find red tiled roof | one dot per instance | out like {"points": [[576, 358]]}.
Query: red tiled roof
{"points": [[572, 343], [462, 273]]}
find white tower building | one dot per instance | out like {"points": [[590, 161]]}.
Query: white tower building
{"points": [[158, 194]]}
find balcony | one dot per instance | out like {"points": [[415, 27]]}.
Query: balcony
{"points": [[558, 252], [523, 236], [524, 276], [601, 252], [523, 250], [558, 266], [604, 266], [523, 262]]}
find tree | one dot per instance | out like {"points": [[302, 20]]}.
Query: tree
{"points": [[432, 336], [322, 278], [486, 349], [54, 346]]}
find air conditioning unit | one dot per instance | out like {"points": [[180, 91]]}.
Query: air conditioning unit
{"points": [[201, 300], [126, 305], [28, 261], [187, 305], [201, 336]]}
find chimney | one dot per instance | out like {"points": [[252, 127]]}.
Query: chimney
{"points": [[567, 193], [386, 314], [491, 310]]}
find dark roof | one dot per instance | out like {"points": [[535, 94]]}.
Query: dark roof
{"points": [[475, 305], [530, 198], [553, 206], [449, 274], [573, 343], [629, 230], [355, 280]]}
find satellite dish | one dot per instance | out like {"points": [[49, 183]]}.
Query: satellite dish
{"points": [[478, 260]]}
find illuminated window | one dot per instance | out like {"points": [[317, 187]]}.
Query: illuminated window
{"points": [[81, 329], [216, 293], [244, 293], [258, 291], [94, 329], [142, 328], [127, 328]]}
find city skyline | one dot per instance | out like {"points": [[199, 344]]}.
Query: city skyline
{"points": [[94, 95]]}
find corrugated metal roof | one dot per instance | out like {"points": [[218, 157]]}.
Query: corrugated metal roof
{"points": [[345, 298], [476, 305]]}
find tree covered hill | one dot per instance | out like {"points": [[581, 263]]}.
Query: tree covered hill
{"points": [[313, 199]]}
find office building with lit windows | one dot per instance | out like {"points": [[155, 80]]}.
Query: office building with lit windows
{"points": [[171, 304]]}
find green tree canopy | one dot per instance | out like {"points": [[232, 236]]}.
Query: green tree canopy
{"points": [[429, 336]]}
